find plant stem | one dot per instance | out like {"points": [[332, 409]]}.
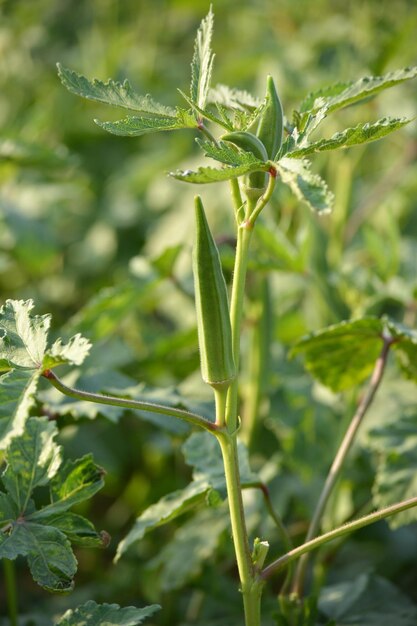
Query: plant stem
{"points": [[350, 527], [244, 235], [340, 457], [187, 416], [250, 585], [11, 590]]}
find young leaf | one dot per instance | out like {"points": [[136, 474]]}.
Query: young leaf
{"points": [[234, 99], [344, 94], [33, 460], [213, 175], [202, 63], [72, 353], [136, 126], [93, 614], [396, 479], [226, 153], [305, 185], [362, 133], [17, 389], [113, 93]]}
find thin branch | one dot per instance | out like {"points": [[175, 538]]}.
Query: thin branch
{"points": [[286, 559], [187, 416]]}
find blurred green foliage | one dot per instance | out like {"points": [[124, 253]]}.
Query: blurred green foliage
{"points": [[94, 232]]}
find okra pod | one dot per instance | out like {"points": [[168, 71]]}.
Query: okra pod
{"points": [[271, 122], [212, 308]]}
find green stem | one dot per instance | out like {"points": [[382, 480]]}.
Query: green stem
{"points": [[377, 516], [186, 416], [250, 584], [340, 457], [244, 235], [11, 590]]}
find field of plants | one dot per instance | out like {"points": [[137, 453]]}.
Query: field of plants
{"points": [[208, 313]]}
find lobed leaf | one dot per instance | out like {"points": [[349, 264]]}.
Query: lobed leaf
{"points": [[78, 529], [32, 460], [72, 353], [202, 62], [137, 126], [305, 185], [343, 94], [23, 336], [17, 389], [113, 93], [362, 133], [213, 175], [93, 614], [227, 153], [48, 552]]}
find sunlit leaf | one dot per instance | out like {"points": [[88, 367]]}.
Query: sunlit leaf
{"points": [[93, 614], [343, 94], [233, 98], [362, 133], [23, 336], [17, 389], [307, 186], [227, 153], [212, 175], [202, 63], [113, 93], [135, 126], [72, 353]]}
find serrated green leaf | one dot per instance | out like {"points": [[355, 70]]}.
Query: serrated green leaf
{"points": [[396, 478], [133, 126], [193, 544], [48, 552], [234, 99], [305, 185], [113, 93], [202, 63], [92, 614], [72, 353], [8, 509], [78, 529], [75, 482], [368, 600], [227, 153], [213, 175], [362, 133], [342, 95], [168, 508], [17, 389], [23, 336], [342, 355], [32, 460]]}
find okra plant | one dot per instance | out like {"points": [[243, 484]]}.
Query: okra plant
{"points": [[255, 149]]}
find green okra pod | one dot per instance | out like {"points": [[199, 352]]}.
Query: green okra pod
{"points": [[212, 308], [271, 122], [255, 182]]}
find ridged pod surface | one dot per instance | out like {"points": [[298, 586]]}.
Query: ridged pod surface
{"points": [[212, 307]]}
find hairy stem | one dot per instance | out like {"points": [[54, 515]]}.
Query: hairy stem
{"points": [[350, 527], [186, 416], [340, 457]]}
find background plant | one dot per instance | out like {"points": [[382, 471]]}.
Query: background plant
{"points": [[339, 296]]}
